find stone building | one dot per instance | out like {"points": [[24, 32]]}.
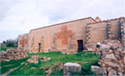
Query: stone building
{"points": [[73, 35]]}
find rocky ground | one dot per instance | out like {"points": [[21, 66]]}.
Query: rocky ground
{"points": [[112, 59]]}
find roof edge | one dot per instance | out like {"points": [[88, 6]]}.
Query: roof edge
{"points": [[23, 34], [62, 23]]}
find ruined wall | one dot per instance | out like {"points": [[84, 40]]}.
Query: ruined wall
{"points": [[59, 37], [23, 41], [100, 31]]}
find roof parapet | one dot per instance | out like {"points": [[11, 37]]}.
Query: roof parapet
{"points": [[98, 19], [107, 20]]}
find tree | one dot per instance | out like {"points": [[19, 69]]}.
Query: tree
{"points": [[10, 43]]}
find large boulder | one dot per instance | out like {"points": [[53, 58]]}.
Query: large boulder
{"points": [[70, 68]]}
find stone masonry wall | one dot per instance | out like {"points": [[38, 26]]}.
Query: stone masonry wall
{"points": [[23, 41], [100, 31], [122, 23], [59, 37]]}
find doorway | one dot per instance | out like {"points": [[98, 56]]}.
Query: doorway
{"points": [[39, 46], [80, 45]]}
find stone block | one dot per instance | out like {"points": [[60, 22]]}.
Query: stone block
{"points": [[112, 73], [111, 56], [70, 68], [98, 70]]}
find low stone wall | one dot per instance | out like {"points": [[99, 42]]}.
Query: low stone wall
{"points": [[10, 54]]}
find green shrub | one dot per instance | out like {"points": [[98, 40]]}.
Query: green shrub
{"points": [[4, 48], [8, 44]]}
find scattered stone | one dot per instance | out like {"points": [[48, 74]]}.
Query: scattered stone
{"points": [[56, 67], [26, 64], [33, 68], [71, 68], [43, 68], [45, 59], [33, 59]]}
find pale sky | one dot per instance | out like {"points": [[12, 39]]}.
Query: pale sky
{"points": [[20, 16]]}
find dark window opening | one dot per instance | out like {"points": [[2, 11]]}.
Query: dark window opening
{"points": [[80, 45], [98, 46], [39, 47]]}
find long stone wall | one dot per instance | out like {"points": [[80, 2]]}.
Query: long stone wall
{"points": [[60, 36]]}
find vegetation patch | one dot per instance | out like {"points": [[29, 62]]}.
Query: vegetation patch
{"points": [[85, 59], [7, 65]]}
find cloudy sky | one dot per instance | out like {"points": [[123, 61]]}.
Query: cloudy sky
{"points": [[20, 16]]}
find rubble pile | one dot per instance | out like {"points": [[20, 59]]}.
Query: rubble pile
{"points": [[3, 56], [33, 59], [10, 54], [16, 54], [112, 59], [45, 59]]}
